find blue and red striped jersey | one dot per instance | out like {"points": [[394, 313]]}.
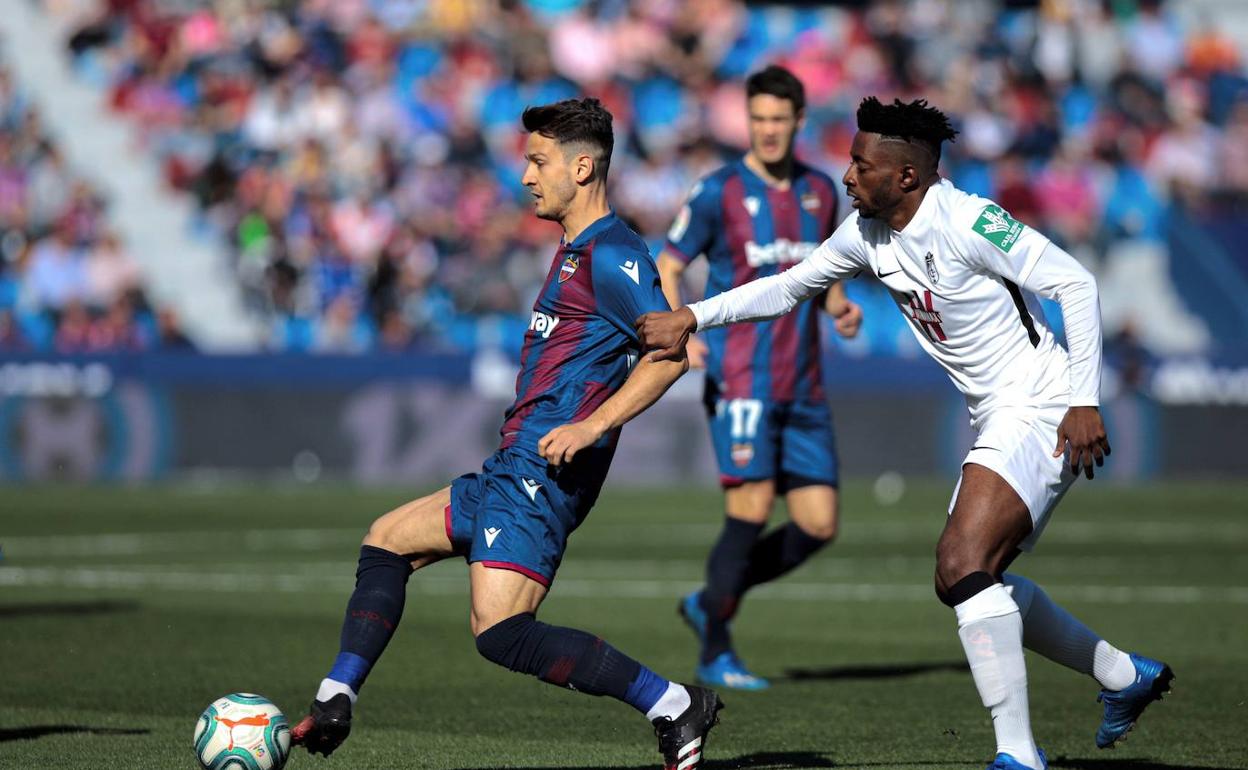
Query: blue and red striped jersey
{"points": [[581, 344], [748, 230]]}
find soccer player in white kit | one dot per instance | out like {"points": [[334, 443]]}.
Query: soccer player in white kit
{"points": [[969, 277]]}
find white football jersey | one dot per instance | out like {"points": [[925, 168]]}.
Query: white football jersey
{"points": [[966, 275]]}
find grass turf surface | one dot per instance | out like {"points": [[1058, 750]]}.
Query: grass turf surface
{"points": [[123, 613]]}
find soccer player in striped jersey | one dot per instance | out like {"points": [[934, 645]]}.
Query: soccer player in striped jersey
{"points": [[770, 422], [967, 276], [581, 378]]}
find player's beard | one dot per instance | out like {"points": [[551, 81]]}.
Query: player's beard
{"points": [[556, 200]]}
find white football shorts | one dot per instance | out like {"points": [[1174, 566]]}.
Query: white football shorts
{"points": [[1017, 444]]}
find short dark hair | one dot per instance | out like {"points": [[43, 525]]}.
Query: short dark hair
{"points": [[914, 122], [574, 121], [777, 81]]}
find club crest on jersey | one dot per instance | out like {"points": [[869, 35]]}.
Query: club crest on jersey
{"points": [[810, 201], [751, 205], [742, 453], [568, 268], [931, 268]]}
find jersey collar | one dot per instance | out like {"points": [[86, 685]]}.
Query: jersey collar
{"points": [[594, 229]]}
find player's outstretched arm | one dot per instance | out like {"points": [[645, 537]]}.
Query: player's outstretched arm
{"points": [[847, 313], [648, 380]]}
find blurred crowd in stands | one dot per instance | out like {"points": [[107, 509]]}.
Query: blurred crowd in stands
{"points": [[66, 282], [361, 158]]}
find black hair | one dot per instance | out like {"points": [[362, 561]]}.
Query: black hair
{"points": [[914, 122], [777, 81], [575, 121]]}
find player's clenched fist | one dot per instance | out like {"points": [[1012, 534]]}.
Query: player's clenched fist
{"points": [[561, 444], [666, 333]]}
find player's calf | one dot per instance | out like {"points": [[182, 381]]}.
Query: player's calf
{"points": [[566, 657]]}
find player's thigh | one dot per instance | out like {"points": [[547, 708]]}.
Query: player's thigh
{"points": [[416, 529], [988, 522], [498, 594], [814, 508], [750, 501]]}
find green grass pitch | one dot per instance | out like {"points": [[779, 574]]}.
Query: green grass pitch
{"points": [[124, 612]]}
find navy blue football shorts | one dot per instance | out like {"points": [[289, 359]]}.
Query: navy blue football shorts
{"points": [[791, 442], [518, 512]]}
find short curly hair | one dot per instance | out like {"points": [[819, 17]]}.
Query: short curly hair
{"points": [[913, 122]]}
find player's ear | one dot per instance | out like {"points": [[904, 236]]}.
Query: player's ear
{"points": [[583, 168], [909, 177]]}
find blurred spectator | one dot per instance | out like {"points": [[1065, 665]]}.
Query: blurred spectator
{"points": [[362, 159], [66, 282]]}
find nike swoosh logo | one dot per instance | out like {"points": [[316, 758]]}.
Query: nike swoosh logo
{"points": [[878, 274], [630, 269]]}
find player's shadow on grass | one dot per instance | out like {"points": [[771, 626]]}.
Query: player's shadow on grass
{"points": [[39, 731], [1078, 763], [44, 609], [873, 671]]}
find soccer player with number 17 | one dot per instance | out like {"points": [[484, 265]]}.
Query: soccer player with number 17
{"points": [[967, 276]]}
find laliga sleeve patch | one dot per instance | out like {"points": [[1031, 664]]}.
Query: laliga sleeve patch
{"points": [[996, 225]]}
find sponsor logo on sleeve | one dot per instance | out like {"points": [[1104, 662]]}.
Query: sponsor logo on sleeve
{"points": [[997, 226]]}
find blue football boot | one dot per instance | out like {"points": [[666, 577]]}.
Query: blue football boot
{"points": [[728, 671], [1122, 708], [695, 617], [1007, 762]]}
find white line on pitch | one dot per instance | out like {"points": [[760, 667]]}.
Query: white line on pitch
{"points": [[233, 582], [304, 540]]}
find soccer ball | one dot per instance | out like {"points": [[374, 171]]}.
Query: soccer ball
{"points": [[242, 731]]}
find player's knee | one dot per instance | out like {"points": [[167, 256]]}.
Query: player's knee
{"points": [[953, 565], [823, 529], [953, 592], [503, 642]]}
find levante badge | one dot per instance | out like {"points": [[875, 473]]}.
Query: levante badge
{"points": [[568, 269]]}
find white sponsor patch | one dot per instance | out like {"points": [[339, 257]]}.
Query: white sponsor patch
{"points": [[779, 252], [543, 324]]}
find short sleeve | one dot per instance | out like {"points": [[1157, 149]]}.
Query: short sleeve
{"points": [[697, 222], [999, 244], [626, 285]]}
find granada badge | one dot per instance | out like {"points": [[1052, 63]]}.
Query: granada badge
{"points": [[568, 268]]}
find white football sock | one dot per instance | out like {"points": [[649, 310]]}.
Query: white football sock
{"points": [[330, 687], [672, 704], [991, 631], [1057, 635]]}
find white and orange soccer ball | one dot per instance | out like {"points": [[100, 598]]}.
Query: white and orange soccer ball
{"points": [[242, 731]]}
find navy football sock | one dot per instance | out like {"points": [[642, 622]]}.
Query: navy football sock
{"points": [[570, 658], [780, 551], [725, 582], [373, 613]]}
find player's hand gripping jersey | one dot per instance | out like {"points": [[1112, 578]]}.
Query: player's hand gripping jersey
{"points": [[748, 230], [955, 272]]}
